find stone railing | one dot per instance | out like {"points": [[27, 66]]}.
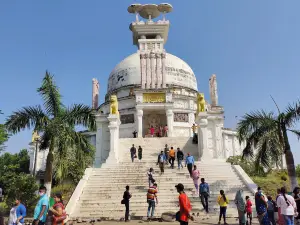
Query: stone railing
{"points": [[76, 194]]}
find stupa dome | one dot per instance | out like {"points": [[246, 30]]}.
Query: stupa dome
{"points": [[128, 73]]}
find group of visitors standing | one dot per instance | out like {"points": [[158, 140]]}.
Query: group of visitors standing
{"points": [[169, 156], [43, 211], [283, 210], [160, 131]]}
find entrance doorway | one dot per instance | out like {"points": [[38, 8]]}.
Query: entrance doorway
{"points": [[153, 118]]}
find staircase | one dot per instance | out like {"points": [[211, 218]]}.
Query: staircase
{"points": [[102, 194]]}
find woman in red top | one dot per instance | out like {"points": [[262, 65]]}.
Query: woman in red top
{"points": [[249, 209], [185, 206], [58, 211]]}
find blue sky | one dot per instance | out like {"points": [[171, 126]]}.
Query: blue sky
{"points": [[252, 46]]}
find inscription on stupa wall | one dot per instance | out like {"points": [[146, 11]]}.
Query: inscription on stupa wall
{"points": [[177, 76]]}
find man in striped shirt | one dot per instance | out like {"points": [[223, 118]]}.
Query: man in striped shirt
{"points": [[152, 199]]}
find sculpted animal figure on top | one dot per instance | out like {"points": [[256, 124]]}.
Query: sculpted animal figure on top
{"points": [[200, 103], [114, 106]]}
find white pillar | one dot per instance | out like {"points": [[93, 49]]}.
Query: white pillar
{"points": [[101, 122], [163, 61], [158, 70], [148, 71], [191, 122], [114, 124], [202, 123], [143, 70], [170, 119], [140, 122], [153, 70]]}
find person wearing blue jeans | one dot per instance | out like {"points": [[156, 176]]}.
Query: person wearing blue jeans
{"points": [[180, 157], [152, 200], [189, 162]]}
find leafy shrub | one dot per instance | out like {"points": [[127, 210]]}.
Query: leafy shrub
{"points": [[298, 170], [247, 165]]}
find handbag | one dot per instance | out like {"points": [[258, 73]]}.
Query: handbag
{"points": [[177, 216], [123, 202]]}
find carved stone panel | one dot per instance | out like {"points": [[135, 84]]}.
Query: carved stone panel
{"points": [[181, 117], [129, 118]]}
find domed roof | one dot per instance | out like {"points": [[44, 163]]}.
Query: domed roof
{"points": [[128, 72]]}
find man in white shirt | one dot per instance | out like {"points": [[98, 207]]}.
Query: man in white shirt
{"points": [[288, 206]]}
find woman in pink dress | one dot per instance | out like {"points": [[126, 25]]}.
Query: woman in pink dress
{"points": [[196, 176], [152, 130]]}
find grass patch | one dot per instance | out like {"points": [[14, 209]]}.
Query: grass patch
{"points": [[272, 181]]}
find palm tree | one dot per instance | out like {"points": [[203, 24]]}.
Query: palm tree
{"points": [[56, 124], [267, 133]]}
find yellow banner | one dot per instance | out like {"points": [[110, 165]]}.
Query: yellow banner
{"points": [[154, 97]]}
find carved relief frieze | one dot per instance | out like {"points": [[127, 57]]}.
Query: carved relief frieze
{"points": [[181, 117]]}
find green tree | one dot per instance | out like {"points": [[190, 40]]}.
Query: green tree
{"points": [[15, 179], [3, 135], [268, 134], [56, 124]]}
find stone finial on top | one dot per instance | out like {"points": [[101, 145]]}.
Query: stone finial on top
{"points": [[149, 11]]}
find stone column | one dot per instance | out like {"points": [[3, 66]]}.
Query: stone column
{"points": [[140, 122], [191, 122], [148, 71], [101, 122], [163, 61], [95, 93], [114, 125], [143, 70], [170, 119], [218, 139], [202, 123], [153, 70], [158, 70]]}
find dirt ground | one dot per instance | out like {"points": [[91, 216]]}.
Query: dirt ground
{"points": [[209, 221]]}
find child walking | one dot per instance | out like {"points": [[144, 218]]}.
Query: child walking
{"points": [[223, 202], [249, 210]]}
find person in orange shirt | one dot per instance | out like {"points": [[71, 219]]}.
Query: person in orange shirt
{"points": [[185, 206], [172, 157]]}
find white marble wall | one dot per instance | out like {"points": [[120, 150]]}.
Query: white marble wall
{"points": [[231, 146], [41, 159], [126, 130]]}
